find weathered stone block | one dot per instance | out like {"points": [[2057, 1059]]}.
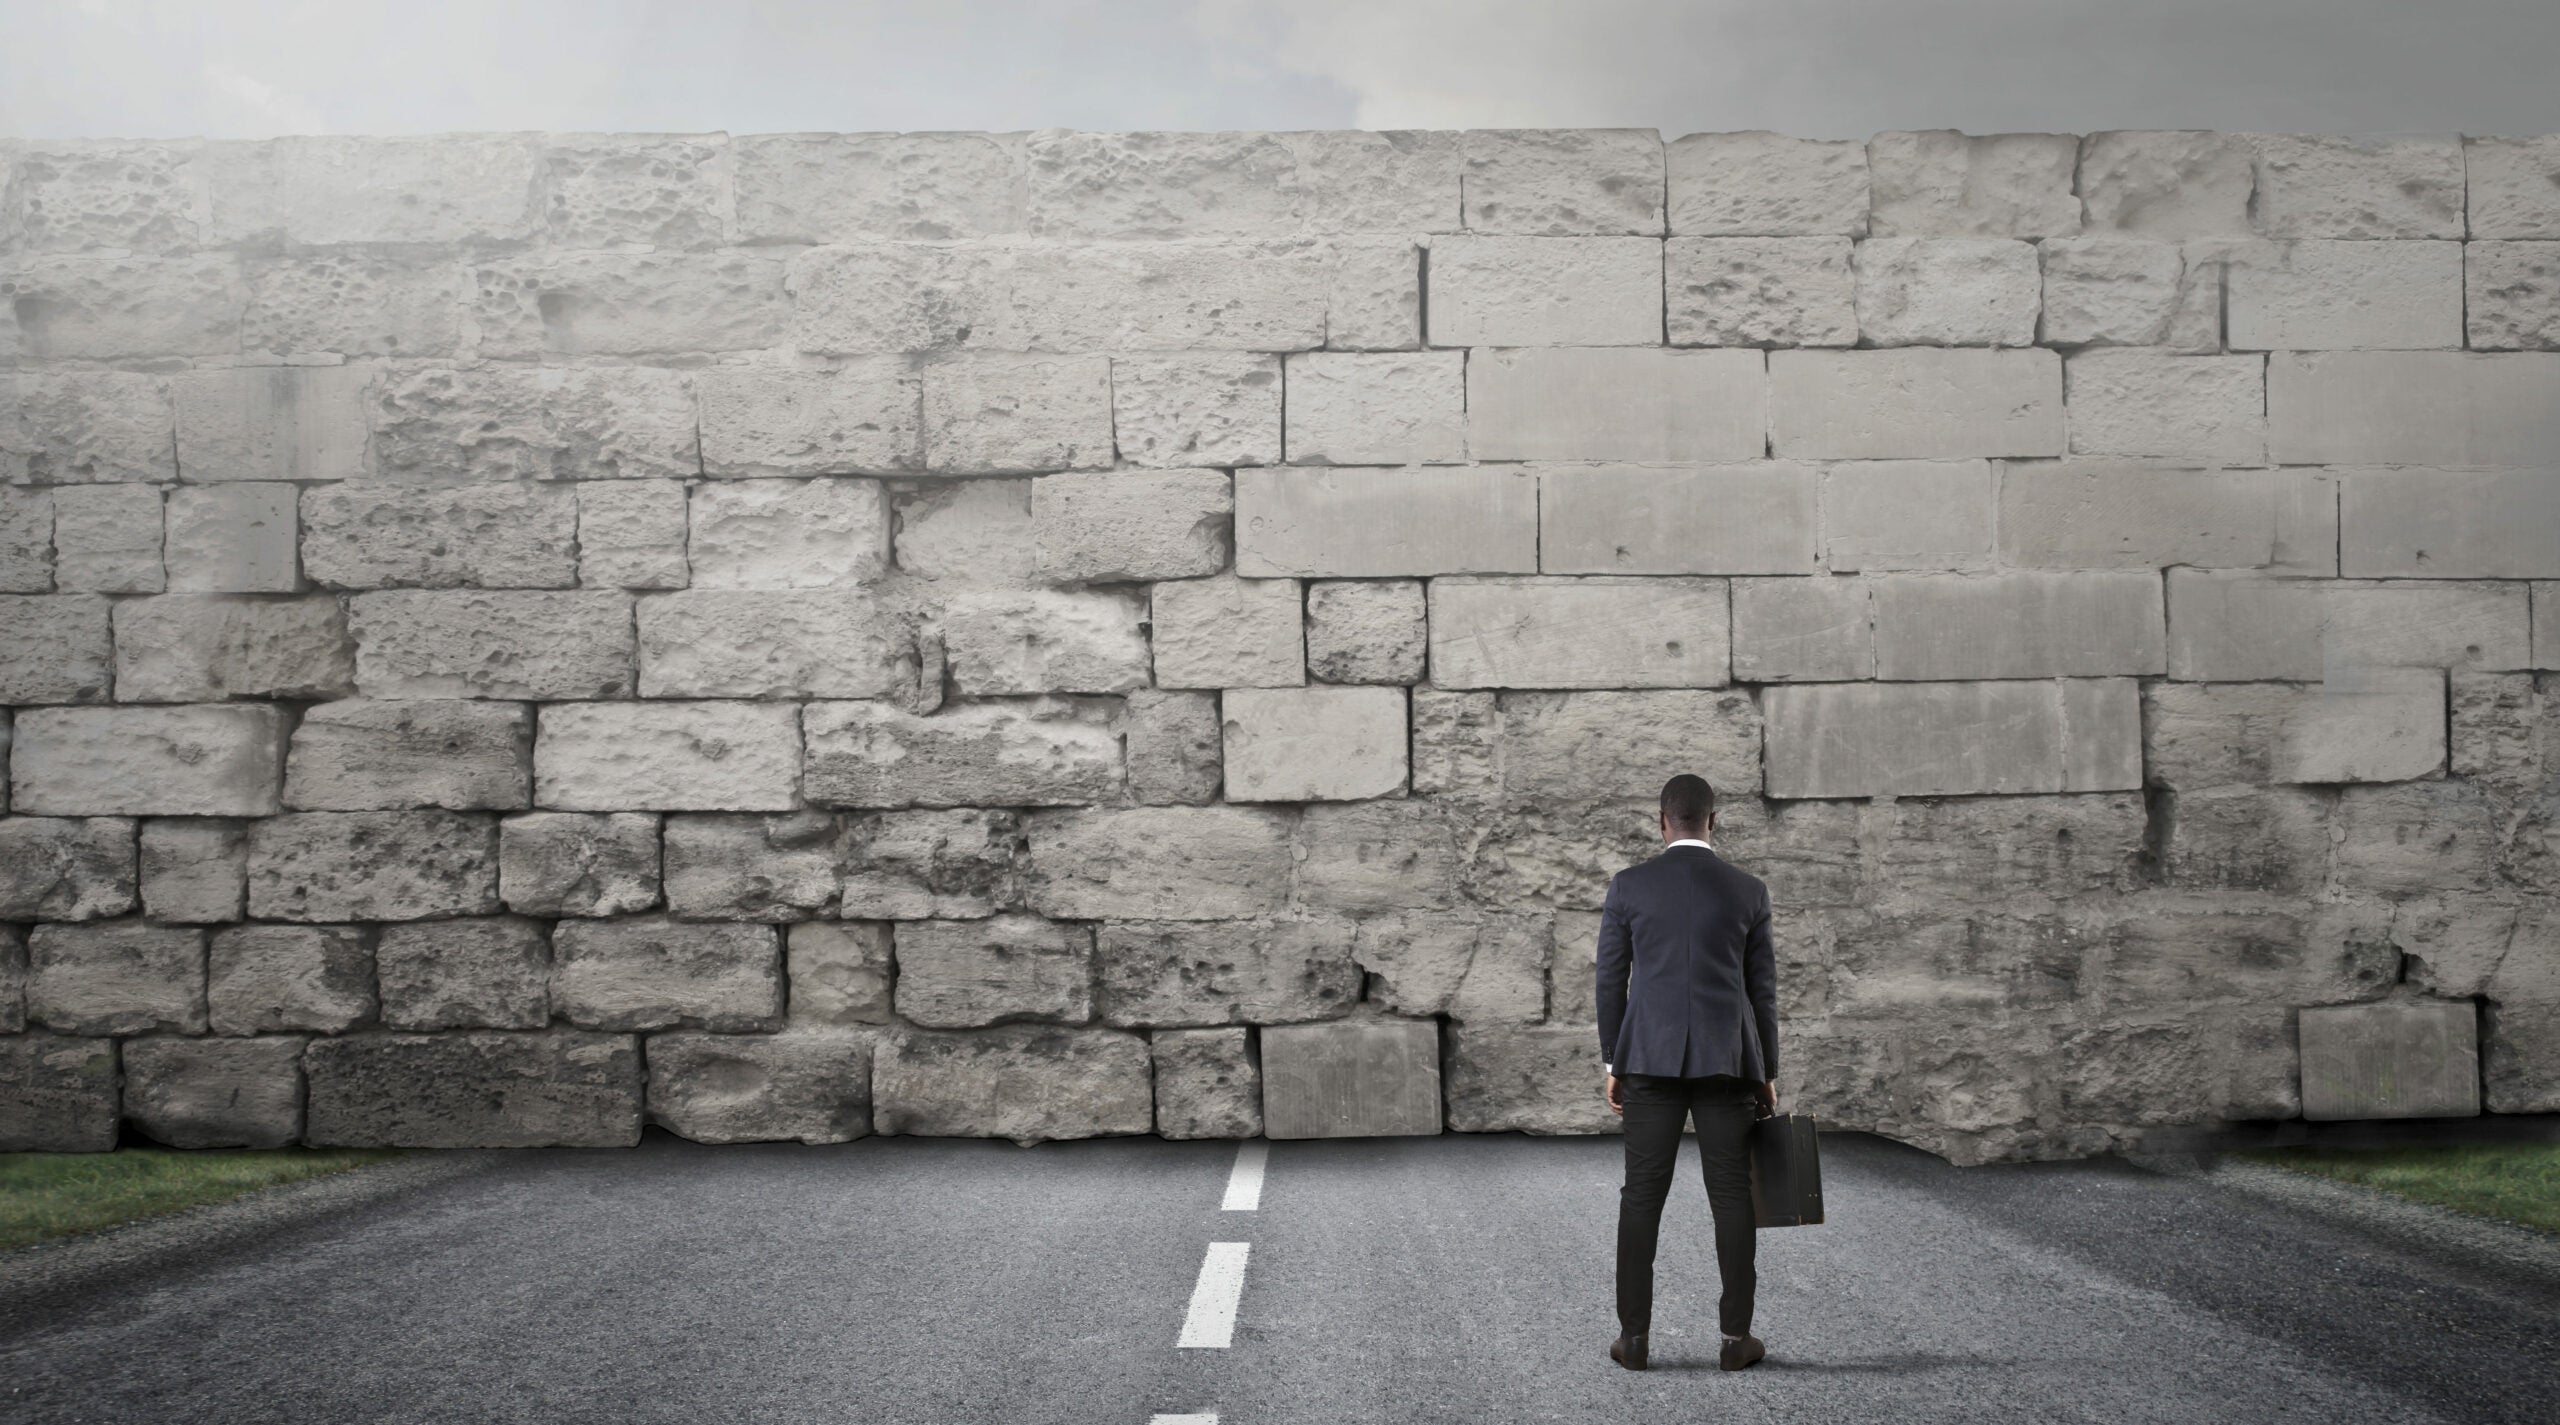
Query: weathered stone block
{"points": [[352, 304], [862, 418], [1719, 519], [1545, 291], [628, 304], [362, 755], [1760, 291], [2121, 291], [13, 980], [1377, 523], [2510, 183], [1365, 631], [2085, 514], [2241, 627], [147, 761], [1163, 973], [2201, 408], [841, 973], [631, 534], [2514, 1073], [193, 871], [64, 868], [2273, 839], [1947, 739], [1467, 965], [1161, 185], [967, 532], [463, 536], [2413, 408], [677, 756], [1003, 414], [1567, 748], [833, 187], [546, 1088], [209, 647], [2021, 849], [962, 974], [1046, 752], [106, 539], [128, 308], [650, 972], [1919, 403], [1111, 526], [1208, 1083], [1802, 630], [372, 865], [1525, 1078], [1227, 633], [772, 643], [2170, 183], [2322, 296], [58, 648], [1761, 184], [1907, 514], [487, 973], [2418, 838], [2450, 524], [1377, 408], [2377, 725], [1026, 1082], [268, 979], [1045, 641], [26, 541], [1172, 746], [756, 1088], [1579, 633], [1158, 863], [233, 539], [927, 865], [771, 868], [1559, 182], [1364, 1078], [1947, 291], [2328, 186], [1939, 182], [344, 189], [215, 1093], [1197, 408], [2412, 1060], [2511, 296], [1394, 854], [1603, 404], [2018, 625], [271, 422], [1313, 744], [788, 534], [2546, 625], [57, 1094], [469, 644], [116, 977], [437, 425], [567, 863], [80, 427], [88, 196], [1398, 181], [609, 190]]}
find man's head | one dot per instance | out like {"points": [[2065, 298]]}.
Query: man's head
{"points": [[1688, 807]]}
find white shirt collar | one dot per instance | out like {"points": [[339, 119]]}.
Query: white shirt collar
{"points": [[1690, 841]]}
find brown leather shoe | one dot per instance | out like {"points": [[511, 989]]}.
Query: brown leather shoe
{"points": [[1629, 1351], [1741, 1353]]}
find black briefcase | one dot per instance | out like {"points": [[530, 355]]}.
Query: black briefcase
{"points": [[1786, 1171]]}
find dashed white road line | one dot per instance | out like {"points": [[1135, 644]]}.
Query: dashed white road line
{"points": [[1182, 1420], [1211, 1321], [1244, 1182]]}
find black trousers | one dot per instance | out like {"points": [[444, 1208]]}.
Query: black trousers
{"points": [[1656, 1107]]}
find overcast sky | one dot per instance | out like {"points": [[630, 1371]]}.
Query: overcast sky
{"points": [[1820, 68]]}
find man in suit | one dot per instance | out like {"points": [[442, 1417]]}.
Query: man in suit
{"points": [[1688, 1025]]}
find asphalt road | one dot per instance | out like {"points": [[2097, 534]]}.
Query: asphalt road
{"points": [[1462, 1278]]}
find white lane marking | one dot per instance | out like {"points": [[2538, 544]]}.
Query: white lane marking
{"points": [[1182, 1420], [1211, 1321], [1244, 1182]]}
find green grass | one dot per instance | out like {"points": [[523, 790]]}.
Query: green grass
{"points": [[2516, 1181], [58, 1194]]}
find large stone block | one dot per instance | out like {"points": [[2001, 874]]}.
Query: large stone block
{"points": [[144, 761], [2123, 291], [2019, 849], [2546, 626], [2418, 838], [1227, 633], [771, 868], [1313, 744], [2246, 628], [1158, 863], [1525, 1078], [615, 190], [1197, 408], [343, 189], [1607, 404], [1026, 1082], [962, 974], [1559, 182], [372, 865], [13, 980], [568, 863], [1939, 182], [2511, 296], [926, 865], [110, 196], [57, 1094], [2273, 839], [116, 977], [834, 187], [272, 422], [860, 419], [1164, 973], [1002, 413], [651, 972], [1208, 1083], [1471, 966], [1761, 184], [1579, 633], [81, 427], [2379, 725], [362, 755], [2341, 296], [2197, 408], [194, 870], [1394, 854], [2168, 183], [1919, 403], [1172, 746], [26, 541], [59, 650], [2413, 408], [1932, 627], [494, 423], [772, 643], [967, 532], [2106, 514], [1044, 752], [688, 756], [544, 1088], [2334, 186], [1376, 408], [1645, 519], [1545, 291], [1590, 747], [471, 644], [352, 304], [62, 868], [1044, 641], [1802, 630], [631, 534], [1759, 291], [269, 979], [485, 973], [1947, 291], [788, 534], [128, 308], [757, 1088], [2394, 1060], [2449, 524], [233, 539], [1383, 523], [1365, 630], [215, 1093], [841, 973], [1364, 1078], [1951, 739], [211, 647], [107, 539], [1161, 185], [1907, 514], [463, 536], [2510, 184], [1120, 525], [570, 304]]}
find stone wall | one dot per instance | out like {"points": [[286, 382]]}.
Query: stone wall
{"points": [[509, 638]]}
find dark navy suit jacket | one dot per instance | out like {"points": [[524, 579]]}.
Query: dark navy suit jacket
{"points": [[1688, 973]]}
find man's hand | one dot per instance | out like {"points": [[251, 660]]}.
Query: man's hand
{"points": [[1769, 1095], [1610, 1091]]}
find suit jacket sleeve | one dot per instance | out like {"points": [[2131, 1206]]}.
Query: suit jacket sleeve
{"points": [[1760, 983], [1616, 957]]}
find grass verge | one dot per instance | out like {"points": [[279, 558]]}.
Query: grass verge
{"points": [[2519, 1182], [46, 1195]]}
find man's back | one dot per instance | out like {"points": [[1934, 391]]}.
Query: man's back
{"points": [[1687, 969]]}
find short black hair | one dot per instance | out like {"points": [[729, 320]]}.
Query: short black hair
{"points": [[1688, 803]]}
